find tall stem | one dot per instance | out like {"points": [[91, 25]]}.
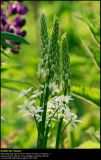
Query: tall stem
{"points": [[59, 133], [39, 129], [47, 129], [42, 123], [44, 113], [59, 128]]}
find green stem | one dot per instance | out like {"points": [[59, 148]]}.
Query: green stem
{"points": [[60, 127], [47, 129], [44, 101], [40, 138], [65, 127], [46, 137], [58, 133]]}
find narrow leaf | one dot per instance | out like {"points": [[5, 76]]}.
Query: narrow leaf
{"points": [[5, 54], [4, 44], [10, 88], [13, 37], [14, 81], [90, 95]]}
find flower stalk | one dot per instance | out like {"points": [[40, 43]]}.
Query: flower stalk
{"points": [[48, 105], [66, 75]]}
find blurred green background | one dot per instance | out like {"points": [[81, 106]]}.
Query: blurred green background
{"points": [[21, 73]]}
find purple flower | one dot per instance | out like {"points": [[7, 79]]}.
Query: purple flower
{"points": [[18, 32], [1, 11], [23, 33], [18, 22], [21, 9], [12, 9], [3, 20], [17, 8], [10, 29]]}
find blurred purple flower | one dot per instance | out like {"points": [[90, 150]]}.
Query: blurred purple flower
{"points": [[14, 8], [10, 28], [21, 9], [1, 11], [3, 22], [17, 8], [23, 33], [18, 22]]}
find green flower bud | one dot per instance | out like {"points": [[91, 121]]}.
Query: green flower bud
{"points": [[66, 71]]}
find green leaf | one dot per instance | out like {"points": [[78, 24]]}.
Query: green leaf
{"points": [[94, 56], [3, 69], [95, 30], [14, 81], [89, 144], [5, 54], [13, 37], [4, 44], [96, 52], [92, 29], [10, 88], [90, 95]]}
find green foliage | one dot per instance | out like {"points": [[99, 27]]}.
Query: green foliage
{"points": [[66, 71], [53, 47], [12, 37], [44, 34], [89, 145], [94, 30], [23, 66], [93, 51], [90, 95], [4, 53]]}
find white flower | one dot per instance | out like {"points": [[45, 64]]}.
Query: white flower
{"points": [[49, 110], [24, 92], [36, 94], [63, 99], [74, 120], [57, 107], [38, 111], [23, 106], [60, 105], [51, 105], [27, 114], [53, 87], [32, 102]]}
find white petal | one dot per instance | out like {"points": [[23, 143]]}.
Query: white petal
{"points": [[33, 101], [65, 120], [75, 126], [20, 106], [76, 121], [27, 113], [38, 111]]}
